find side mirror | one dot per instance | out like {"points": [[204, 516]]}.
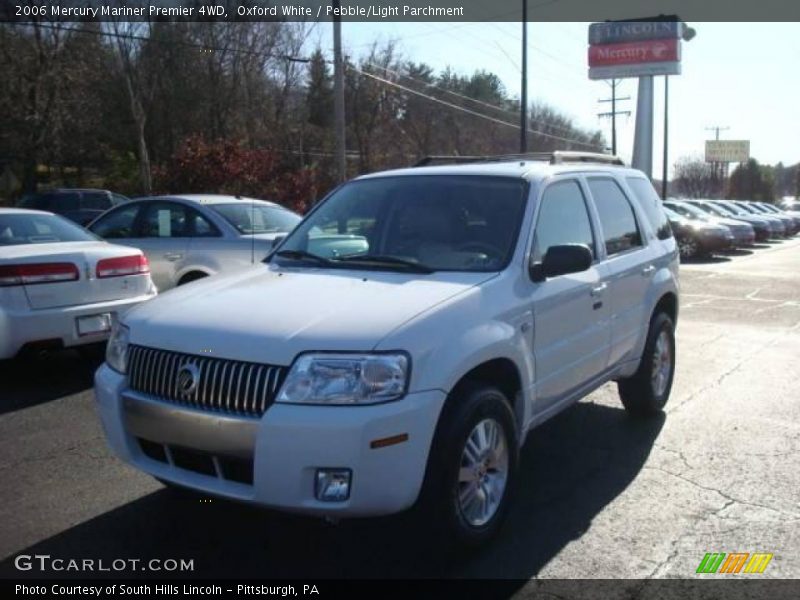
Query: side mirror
{"points": [[561, 260], [278, 240]]}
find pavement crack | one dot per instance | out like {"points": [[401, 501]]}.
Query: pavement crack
{"points": [[729, 500]]}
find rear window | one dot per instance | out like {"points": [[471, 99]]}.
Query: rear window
{"points": [[255, 218], [652, 206], [18, 229]]}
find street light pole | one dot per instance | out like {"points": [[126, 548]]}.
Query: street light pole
{"points": [[523, 107]]}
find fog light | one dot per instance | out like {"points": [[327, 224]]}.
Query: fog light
{"points": [[332, 485]]}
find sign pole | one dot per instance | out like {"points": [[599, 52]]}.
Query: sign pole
{"points": [[664, 170], [523, 108], [643, 136]]}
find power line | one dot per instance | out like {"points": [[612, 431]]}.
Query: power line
{"points": [[469, 111]]}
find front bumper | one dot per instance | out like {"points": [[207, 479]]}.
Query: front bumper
{"points": [[21, 327], [713, 242], [284, 448]]}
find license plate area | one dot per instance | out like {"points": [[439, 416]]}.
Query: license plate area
{"points": [[94, 324]]}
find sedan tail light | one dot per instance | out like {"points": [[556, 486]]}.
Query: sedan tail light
{"points": [[124, 265], [30, 274]]}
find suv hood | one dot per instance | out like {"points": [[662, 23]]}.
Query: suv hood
{"points": [[269, 314]]}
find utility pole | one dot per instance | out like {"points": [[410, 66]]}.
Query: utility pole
{"points": [[664, 172], [523, 106], [338, 95], [614, 112]]}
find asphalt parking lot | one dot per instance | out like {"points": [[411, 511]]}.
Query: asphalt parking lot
{"points": [[600, 495]]}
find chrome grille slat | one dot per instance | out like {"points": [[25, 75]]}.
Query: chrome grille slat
{"points": [[232, 386]]}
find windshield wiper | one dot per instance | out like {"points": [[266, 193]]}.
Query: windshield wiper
{"points": [[303, 255], [392, 261]]}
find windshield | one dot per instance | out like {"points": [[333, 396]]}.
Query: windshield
{"points": [[714, 209], [20, 228], [733, 208], [687, 210], [673, 216], [257, 218], [440, 222]]}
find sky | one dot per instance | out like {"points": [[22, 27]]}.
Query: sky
{"points": [[742, 76]]}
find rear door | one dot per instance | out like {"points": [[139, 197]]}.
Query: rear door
{"points": [[571, 332], [163, 234], [629, 270]]}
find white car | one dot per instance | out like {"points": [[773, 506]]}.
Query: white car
{"points": [[482, 299], [190, 236], [60, 286]]}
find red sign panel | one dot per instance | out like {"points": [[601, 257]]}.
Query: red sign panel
{"points": [[649, 51]]}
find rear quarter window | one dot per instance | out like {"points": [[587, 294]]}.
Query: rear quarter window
{"points": [[651, 205]]}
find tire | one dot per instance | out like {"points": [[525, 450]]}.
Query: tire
{"points": [[450, 506], [647, 391], [190, 277]]}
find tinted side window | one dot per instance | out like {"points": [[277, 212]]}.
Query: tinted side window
{"points": [[63, 202], [202, 227], [165, 220], [117, 224], [563, 219], [620, 232], [651, 204], [95, 201]]}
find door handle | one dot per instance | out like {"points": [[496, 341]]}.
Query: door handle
{"points": [[599, 289], [648, 270], [173, 256]]}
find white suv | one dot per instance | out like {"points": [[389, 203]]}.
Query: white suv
{"points": [[398, 346]]}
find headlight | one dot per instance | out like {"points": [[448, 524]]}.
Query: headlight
{"points": [[117, 348], [345, 379]]}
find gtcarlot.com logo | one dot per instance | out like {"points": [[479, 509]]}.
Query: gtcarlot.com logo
{"points": [[45, 562], [734, 562]]}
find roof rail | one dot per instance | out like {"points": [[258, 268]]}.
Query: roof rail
{"points": [[554, 158]]}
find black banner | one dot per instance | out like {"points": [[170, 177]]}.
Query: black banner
{"points": [[390, 10]]}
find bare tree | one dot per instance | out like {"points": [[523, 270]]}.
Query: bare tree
{"points": [[695, 178], [130, 39]]}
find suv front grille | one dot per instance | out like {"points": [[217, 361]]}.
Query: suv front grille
{"points": [[231, 386]]}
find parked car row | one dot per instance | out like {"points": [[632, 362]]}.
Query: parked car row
{"points": [[703, 227], [64, 286]]}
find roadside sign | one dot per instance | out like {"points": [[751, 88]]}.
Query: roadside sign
{"points": [[727, 151], [631, 31], [648, 51], [635, 70]]}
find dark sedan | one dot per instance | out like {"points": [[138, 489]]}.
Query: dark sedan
{"points": [[760, 226], [743, 233], [697, 238]]}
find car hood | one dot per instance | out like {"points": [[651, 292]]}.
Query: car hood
{"points": [[269, 314]]}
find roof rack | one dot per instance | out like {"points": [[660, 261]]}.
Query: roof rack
{"points": [[554, 158]]}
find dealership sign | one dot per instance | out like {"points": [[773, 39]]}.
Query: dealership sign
{"points": [[622, 49], [727, 151], [648, 51], [634, 31]]}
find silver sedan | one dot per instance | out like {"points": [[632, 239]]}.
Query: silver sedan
{"points": [[187, 237]]}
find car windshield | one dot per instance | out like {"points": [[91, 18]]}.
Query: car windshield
{"points": [[432, 222], [257, 218], [20, 228], [689, 211], [734, 209], [714, 209]]}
